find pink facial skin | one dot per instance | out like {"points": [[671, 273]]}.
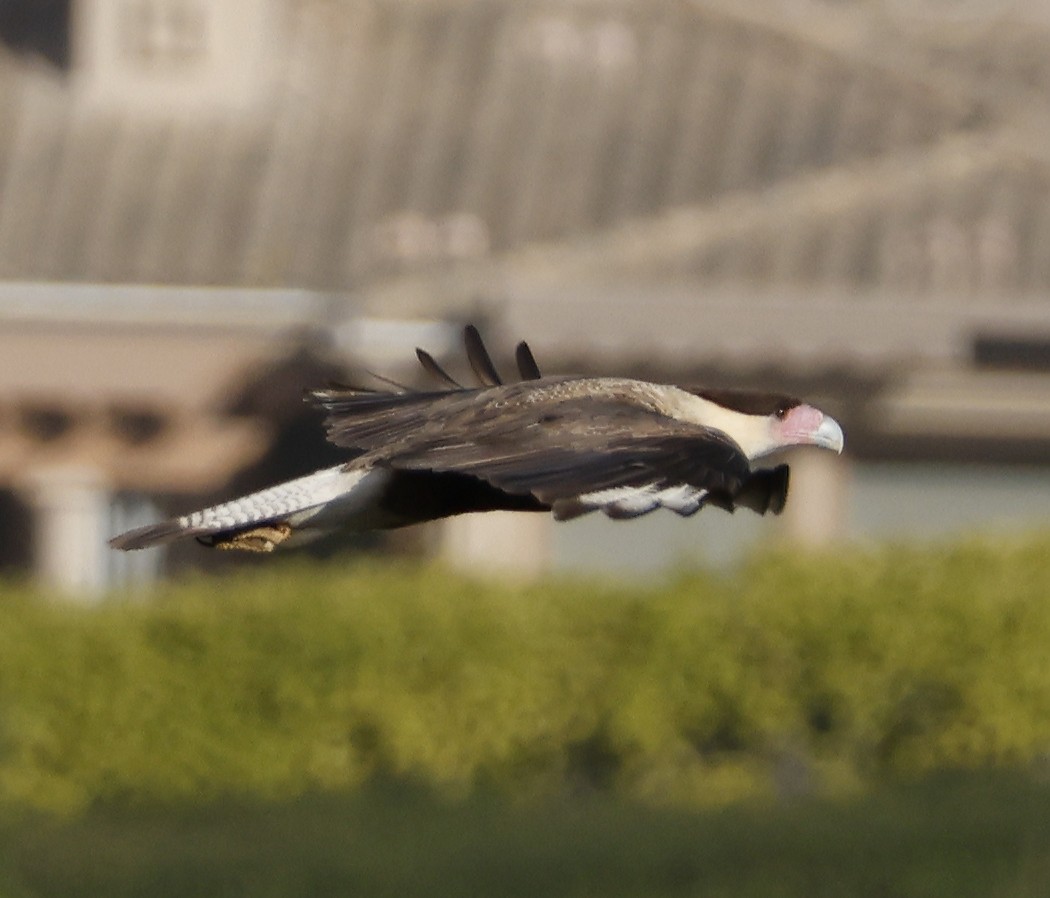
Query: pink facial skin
{"points": [[805, 425]]}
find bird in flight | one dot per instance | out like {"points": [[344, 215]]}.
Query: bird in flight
{"points": [[569, 445]]}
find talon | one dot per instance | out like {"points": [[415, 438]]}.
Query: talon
{"points": [[258, 539]]}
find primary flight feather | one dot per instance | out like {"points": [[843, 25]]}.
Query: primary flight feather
{"points": [[565, 444]]}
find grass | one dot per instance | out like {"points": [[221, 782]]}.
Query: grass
{"points": [[973, 835]]}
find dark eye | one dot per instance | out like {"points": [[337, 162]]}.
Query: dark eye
{"points": [[781, 412]]}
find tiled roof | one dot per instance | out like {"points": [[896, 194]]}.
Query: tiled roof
{"points": [[400, 135]]}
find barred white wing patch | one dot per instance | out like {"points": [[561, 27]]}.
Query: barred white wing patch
{"points": [[682, 499], [632, 501]]}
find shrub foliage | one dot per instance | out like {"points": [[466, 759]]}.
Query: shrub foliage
{"points": [[796, 674]]}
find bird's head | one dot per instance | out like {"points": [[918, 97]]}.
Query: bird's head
{"points": [[762, 423]]}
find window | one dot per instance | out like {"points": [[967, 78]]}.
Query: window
{"points": [[164, 57], [163, 32]]}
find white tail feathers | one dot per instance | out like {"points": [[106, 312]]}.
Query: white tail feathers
{"points": [[295, 502]]}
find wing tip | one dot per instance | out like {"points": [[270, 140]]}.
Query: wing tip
{"points": [[765, 491], [479, 358], [149, 536], [431, 366], [527, 367]]}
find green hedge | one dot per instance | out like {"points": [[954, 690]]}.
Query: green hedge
{"points": [[806, 674]]}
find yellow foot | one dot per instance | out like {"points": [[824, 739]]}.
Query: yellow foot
{"points": [[260, 539]]}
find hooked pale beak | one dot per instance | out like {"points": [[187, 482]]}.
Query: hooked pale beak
{"points": [[805, 425], [829, 435]]}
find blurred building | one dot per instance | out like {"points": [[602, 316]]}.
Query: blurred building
{"points": [[849, 199]]}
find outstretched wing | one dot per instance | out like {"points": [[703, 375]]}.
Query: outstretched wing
{"points": [[570, 446], [575, 454], [582, 456]]}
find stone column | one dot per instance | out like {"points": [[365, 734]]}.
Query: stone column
{"points": [[817, 512], [70, 507], [502, 543]]}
